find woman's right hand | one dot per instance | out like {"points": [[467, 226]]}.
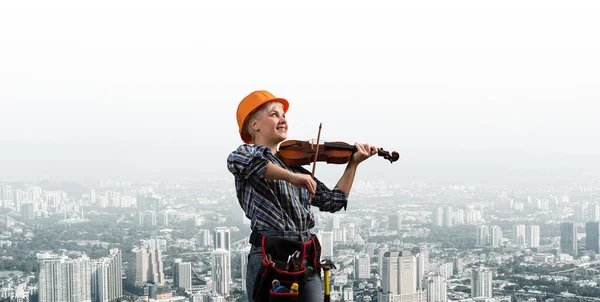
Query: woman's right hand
{"points": [[304, 181]]}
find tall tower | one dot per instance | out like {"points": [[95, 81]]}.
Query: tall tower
{"points": [[107, 284], [481, 282], [394, 222], [333, 222], [155, 268], [593, 212], [496, 236], [592, 236], [483, 235], [137, 272], [63, 279], [222, 238], [78, 279], [51, 276], [533, 235], [203, 238], [568, 238], [326, 244], [389, 274], [422, 258], [519, 235], [448, 219], [362, 267], [407, 273], [221, 271], [145, 266], [244, 255], [436, 288], [182, 274], [438, 216]]}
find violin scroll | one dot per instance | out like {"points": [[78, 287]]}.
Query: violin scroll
{"points": [[394, 156]]}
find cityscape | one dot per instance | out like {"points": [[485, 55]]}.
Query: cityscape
{"points": [[143, 153], [187, 240]]}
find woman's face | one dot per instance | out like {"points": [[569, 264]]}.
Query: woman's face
{"points": [[272, 126]]}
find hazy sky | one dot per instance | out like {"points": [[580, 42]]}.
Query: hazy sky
{"points": [[111, 87]]}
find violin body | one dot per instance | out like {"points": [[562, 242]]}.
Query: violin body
{"points": [[296, 153]]}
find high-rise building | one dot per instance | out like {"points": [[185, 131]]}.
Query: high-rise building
{"points": [[592, 236], [436, 288], [483, 235], [326, 241], [446, 269], [389, 275], [399, 278], [362, 267], [107, 283], [244, 255], [457, 265], [496, 236], [350, 231], [594, 212], [93, 196], [568, 238], [333, 222], [221, 272], [182, 274], [407, 273], [481, 282], [533, 235], [394, 222], [51, 278], [422, 261], [222, 238], [519, 234], [64, 280], [438, 216], [163, 218], [448, 218], [150, 219], [145, 266], [203, 238], [459, 216]]}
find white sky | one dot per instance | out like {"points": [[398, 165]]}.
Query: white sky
{"points": [[104, 82]]}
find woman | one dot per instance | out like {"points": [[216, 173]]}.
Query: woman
{"points": [[275, 197]]}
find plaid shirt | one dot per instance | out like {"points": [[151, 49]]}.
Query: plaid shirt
{"points": [[276, 204]]}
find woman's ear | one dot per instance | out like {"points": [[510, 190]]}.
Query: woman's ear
{"points": [[254, 125]]}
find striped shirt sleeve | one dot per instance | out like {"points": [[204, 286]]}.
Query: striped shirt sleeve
{"points": [[248, 161], [327, 200]]}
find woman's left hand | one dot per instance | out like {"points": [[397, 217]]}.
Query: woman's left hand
{"points": [[363, 151]]}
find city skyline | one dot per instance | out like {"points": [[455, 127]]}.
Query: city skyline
{"points": [[118, 119]]}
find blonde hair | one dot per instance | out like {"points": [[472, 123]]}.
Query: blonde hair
{"points": [[258, 113]]}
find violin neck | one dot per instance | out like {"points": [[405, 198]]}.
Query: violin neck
{"points": [[340, 147]]}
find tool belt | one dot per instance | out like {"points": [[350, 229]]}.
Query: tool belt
{"points": [[284, 260]]}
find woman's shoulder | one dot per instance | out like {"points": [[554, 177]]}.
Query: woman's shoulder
{"points": [[251, 148], [246, 151]]}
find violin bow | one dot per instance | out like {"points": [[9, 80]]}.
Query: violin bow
{"points": [[316, 155]]}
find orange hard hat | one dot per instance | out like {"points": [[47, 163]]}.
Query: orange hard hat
{"points": [[250, 103]]}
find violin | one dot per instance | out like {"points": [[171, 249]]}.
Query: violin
{"points": [[296, 153]]}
